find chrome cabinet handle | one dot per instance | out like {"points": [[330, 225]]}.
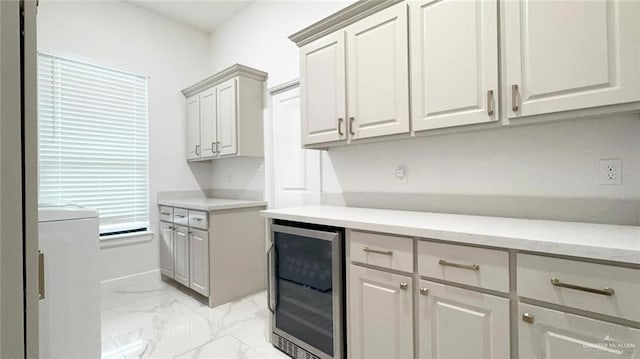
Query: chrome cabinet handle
{"points": [[527, 318], [404, 285], [340, 120], [606, 291], [213, 146], [490, 103], [217, 147], [197, 150], [272, 310], [351, 119], [424, 291], [180, 215], [377, 251], [473, 267], [514, 98], [197, 219], [165, 213], [41, 277]]}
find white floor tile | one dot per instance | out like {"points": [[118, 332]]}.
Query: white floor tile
{"points": [[227, 347]]}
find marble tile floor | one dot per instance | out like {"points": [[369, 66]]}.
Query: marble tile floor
{"points": [[154, 319]]}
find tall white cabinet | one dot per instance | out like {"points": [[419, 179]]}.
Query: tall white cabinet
{"points": [[454, 62], [224, 115], [567, 55]]}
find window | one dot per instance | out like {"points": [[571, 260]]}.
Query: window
{"points": [[92, 136]]}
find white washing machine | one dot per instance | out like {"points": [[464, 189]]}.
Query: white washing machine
{"points": [[70, 311]]}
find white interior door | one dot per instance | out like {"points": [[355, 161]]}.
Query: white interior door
{"points": [[296, 171], [565, 55], [378, 74], [454, 77]]}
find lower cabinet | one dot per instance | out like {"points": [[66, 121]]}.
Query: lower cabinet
{"points": [[199, 261], [166, 249], [458, 323], [380, 314], [546, 333], [181, 255]]}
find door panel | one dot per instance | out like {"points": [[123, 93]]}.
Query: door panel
{"points": [[296, 171], [449, 313], [554, 334], [166, 249], [558, 67], [227, 117], [193, 127], [452, 75], [378, 74], [323, 86], [208, 124], [181, 255], [380, 314], [199, 261]]}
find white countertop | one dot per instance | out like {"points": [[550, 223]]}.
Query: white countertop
{"points": [[597, 241], [210, 204]]}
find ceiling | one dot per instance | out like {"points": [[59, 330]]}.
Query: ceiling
{"points": [[204, 15]]}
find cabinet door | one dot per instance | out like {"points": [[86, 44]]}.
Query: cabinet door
{"points": [[322, 88], [454, 77], [199, 261], [193, 127], [553, 334], [227, 117], [378, 74], [181, 255], [447, 314], [166, 249], [380, 314], [208, 123], [560, 65]]}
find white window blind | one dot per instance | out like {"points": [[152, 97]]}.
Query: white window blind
{"points": [[93, 141]]}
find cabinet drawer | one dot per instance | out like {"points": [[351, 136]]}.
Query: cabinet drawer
{"points": [[198, 219], [166, 214], [479, 267], [382, 250], [594, 287], [181, 216]]}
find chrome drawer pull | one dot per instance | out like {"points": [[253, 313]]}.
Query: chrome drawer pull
{"points": [[473, 267], [165, 213], [606, 291], [197, 219], [377, 251], [180, 216]]}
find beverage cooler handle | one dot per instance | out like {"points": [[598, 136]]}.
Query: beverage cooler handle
{"points": [[269, 277]]}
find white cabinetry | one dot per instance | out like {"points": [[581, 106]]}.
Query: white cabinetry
{"points": [[546, 333], [359, 90], [322, 88], [199, 261], [377, 74], [454, 62], [380, 314], [181, 255], [567, 55], [224, 114], [460, 323], [166, 249]]}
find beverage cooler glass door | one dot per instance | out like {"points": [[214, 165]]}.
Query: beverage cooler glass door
{"points": [[306, 288]]}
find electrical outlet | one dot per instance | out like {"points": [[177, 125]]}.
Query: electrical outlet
{"points": [[402, 174], [611, 171]]}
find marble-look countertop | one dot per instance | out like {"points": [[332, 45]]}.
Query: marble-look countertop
{"points": [[596, 241], [210, 204]]}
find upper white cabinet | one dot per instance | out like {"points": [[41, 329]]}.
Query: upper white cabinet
{"points": [[323, 86], [354, 82], [567, 55], [224, 114], [454, 62], [377, 74]]}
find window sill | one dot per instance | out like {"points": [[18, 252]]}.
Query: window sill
{"points": [[125, 239]]}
